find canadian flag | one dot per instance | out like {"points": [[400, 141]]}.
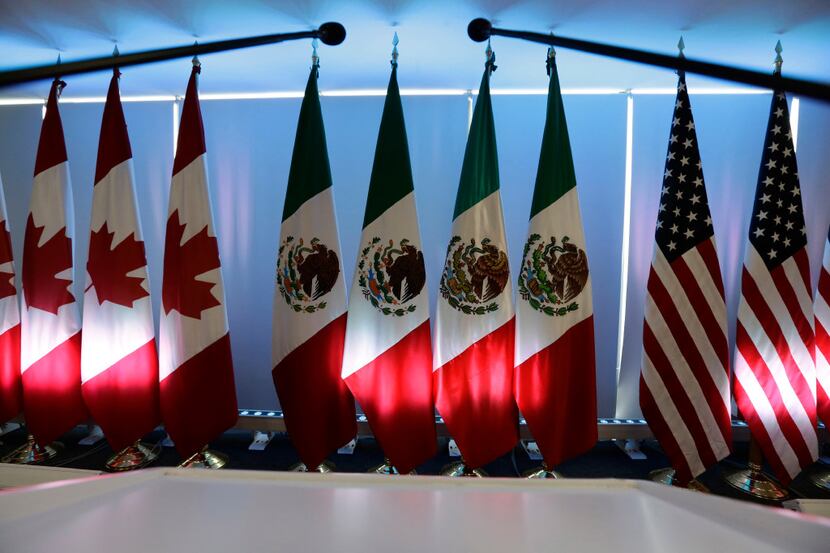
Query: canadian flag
{"points": [[387, 361], [50, 328], [11, 399], [198, 395], [119, 366], [474, 327], [310, 300]]}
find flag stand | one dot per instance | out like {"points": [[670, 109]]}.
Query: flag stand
{"points": [[753, 481], [461, 469], [135, 456], [205, 459], [30, 453], [323, 468], [820, 478], [542, 472], [386, 467], [665, 476], [668, 476]]}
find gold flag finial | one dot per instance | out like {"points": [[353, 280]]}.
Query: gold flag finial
{"points": [[551, 58], [196, 63], [490, 64], [395, 49], [779, 61]]}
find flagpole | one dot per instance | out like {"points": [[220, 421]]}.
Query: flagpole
{"points": [[331, 33], [481, 29]]}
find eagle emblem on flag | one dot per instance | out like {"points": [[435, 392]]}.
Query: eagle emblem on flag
{"points": [[306, 273], [552, 274], [391, 276], [474, 274]]}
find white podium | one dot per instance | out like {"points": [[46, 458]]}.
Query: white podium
{"points": [[247, 511]]}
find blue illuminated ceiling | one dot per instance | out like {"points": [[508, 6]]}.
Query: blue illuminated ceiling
{"points": [[435, 51]]}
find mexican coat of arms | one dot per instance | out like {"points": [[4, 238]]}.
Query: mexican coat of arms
{"points": [[391, 276], [306, 273], [474, 274], [553, 274]]}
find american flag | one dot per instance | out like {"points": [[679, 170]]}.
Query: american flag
{"points": [[684, 383], [775, 376], [822, 310]]}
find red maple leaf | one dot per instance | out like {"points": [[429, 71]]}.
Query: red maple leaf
{"points": [[182, 264], [108, 267], [41, 287], [6, 284]]}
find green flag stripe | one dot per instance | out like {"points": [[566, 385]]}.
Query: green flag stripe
{"points": [[392, 172], [310, 173], [556, 166], [480, 171]]}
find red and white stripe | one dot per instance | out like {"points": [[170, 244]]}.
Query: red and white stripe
{"points": [[684, 389], [775, 378], [822, 313]]}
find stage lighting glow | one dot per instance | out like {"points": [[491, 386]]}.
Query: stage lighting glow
{"points": [[102, 99], [372, 92], [544, 91], [21, 101], [794, 112], [175, 126], [701, 90], [274, 95], [626, 233]]}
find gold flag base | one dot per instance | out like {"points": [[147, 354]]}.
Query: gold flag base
{"points": [[542, 472], [668, 477], [132, 457], [323, 468], [460, 469], [752, 481], [30, 453], [205, 459], [663, 476], [821, 479], [386, 467]]}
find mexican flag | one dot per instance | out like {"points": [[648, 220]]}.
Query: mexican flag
{"points": [[474, 327], [119, 364], [50, 328], [11, 399], [197, 391], [555, 367], [388, 356], [310, 300]]}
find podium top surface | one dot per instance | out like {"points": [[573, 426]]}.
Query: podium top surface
{"points": [[190, 510]]}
